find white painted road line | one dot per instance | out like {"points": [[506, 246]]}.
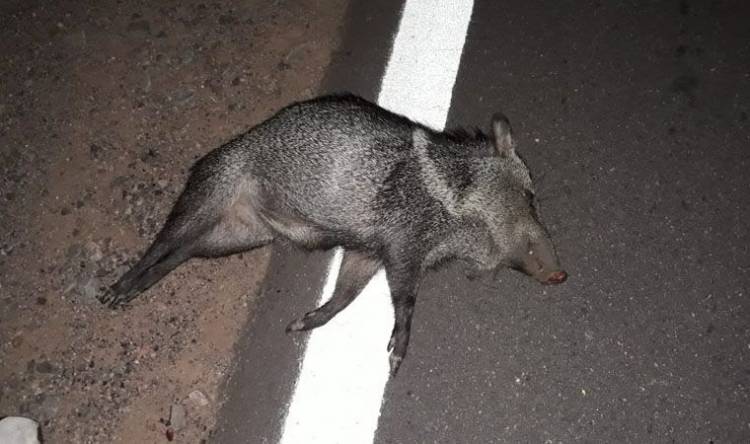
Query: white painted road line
{"points": [[339, 392], [421, 72]]}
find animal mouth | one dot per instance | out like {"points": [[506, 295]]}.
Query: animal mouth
{"points": [[557, 277]]}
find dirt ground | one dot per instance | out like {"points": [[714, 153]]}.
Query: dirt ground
{"points": [[104, 106]]}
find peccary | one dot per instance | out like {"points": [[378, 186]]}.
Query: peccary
{"points": [[341, 171]]}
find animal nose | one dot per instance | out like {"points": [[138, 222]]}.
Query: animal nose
{"points": [[558, 277]]}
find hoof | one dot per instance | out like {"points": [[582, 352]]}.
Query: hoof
{"points": [[113, 300], [395, 362]]}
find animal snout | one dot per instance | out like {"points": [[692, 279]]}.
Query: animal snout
{"points": [[557, 277]]}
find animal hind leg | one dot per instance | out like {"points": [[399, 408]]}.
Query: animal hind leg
{"points": [[173, 245], [356, 271], [207, 245], [207, 230], [239, 229], [122, 294]]}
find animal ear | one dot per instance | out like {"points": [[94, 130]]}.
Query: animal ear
{"points": [[503, 134], [420, 138]]}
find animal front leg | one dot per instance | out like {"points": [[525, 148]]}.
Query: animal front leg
{"points": [[404, 283], [356, 271], [400, 336]]}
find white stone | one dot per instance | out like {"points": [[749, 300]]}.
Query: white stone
{"points": [[197, 397], [18, 430]]}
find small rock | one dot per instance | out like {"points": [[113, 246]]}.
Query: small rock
{"points": [[297, 54], [589, 335], [187, 56], [73, 252], [213, 85], [198, 398], [183, 96], [89, 289], [227, 19], [19, 430], [94, 251], [45, 367], [49, 407], [177, 417], [120, 270], [140, 28], [16, 341], [268, 84], [6, 250], [95, 151]]}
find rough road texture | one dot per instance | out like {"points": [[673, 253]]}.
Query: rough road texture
{"points": [[103, 108], [633, 117]]}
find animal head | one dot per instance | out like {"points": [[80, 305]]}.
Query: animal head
{"points": [[490, 182]]}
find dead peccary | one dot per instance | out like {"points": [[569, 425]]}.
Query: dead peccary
{"points": [[340, 171]]}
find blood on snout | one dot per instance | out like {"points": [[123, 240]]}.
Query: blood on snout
{"points": [[557, 277]]}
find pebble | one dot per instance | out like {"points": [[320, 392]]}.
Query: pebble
{"points": [[177, 417], [89, 289], [48, 408], [94, 251], [17, 341], [45, 367], [198, 398], [183, 96], [141, 28], [19, 430]]}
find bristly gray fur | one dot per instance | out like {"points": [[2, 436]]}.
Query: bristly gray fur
{"points": [[339, 170]]}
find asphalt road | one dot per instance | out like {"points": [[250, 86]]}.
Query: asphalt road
{"points": [[633, 117]]}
